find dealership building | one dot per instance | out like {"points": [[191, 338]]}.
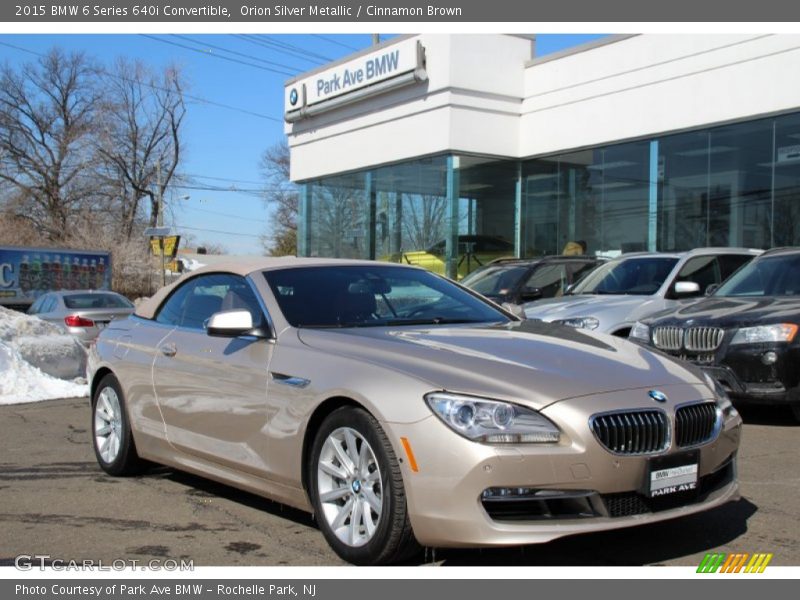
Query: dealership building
{"points": [[633, 142]]}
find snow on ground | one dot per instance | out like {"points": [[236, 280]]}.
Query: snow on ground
{"points": [[22, 382], [38, 360]]}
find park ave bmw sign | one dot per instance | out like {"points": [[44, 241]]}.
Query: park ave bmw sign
{"points": [[383, 65]]}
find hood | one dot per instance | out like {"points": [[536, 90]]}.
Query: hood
{"points": [[609, 309], [732, 312], [536, 362]]}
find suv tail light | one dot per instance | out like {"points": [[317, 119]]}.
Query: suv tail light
{"points": [[77, 321]]}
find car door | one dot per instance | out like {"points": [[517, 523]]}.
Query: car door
{"points": [[212, 390]]}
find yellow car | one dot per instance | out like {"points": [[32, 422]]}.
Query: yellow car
{"points": [[473, 251]]}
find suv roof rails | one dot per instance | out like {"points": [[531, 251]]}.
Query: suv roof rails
{"points": [[781, 249]]}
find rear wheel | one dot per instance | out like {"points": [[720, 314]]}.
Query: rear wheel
{"points": [[795, 408], [111, 431], [357, 490]]}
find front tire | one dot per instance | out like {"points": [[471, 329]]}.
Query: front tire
{"points": [[356, 488], [111, 431]]}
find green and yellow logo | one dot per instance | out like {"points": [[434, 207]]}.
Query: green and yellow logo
{"points": [[719, 562]]}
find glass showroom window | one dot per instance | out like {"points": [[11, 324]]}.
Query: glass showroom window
{"points": [[410, 209], [598, 196], [486, 192], [787, 181], [740, 185], [683, 187], [337, 217]]}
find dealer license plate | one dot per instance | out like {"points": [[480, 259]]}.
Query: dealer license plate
{"points": [[672, 474]]}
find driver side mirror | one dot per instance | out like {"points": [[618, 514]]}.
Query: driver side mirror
{"points": [[685, 289], [230, 323]]}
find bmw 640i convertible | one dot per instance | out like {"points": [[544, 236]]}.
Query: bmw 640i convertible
{"points": [[403, 410]]}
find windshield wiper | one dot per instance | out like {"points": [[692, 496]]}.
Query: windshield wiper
{"points": [[432, 321]]}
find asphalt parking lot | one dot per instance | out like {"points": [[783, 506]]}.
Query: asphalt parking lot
{"points": [[54, 500]]}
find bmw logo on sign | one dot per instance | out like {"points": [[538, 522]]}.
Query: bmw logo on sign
{"points": [[657, 396], [293, 97]]}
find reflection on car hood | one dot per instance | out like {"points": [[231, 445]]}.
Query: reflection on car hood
{"points": [[732, 312], [589, 305], [532, 361]]}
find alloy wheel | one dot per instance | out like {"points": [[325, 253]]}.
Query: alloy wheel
{"points": [[349, 486]]}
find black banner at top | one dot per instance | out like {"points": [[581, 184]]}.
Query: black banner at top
{"points": [[408, 11]]}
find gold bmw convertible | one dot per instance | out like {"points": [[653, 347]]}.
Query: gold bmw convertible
{"points": [[405, 410]]}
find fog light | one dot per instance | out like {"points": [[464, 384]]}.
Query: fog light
{"points": [[769, 358]]}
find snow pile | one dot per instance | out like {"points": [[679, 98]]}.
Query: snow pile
{"points": [[22, 382], [35, 356]]}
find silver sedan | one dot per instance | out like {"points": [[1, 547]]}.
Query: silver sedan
{"points": [[405, 410], [83, 313]]}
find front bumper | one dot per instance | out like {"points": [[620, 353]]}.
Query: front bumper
{"points": [[596, 490], [742, 370]]}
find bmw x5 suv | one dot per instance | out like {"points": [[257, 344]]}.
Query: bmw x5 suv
{"points": [[744, 334]]}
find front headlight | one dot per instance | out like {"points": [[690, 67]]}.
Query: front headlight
{"points": [[580, 322], [721, 397], [640, 332], [780, 332], [492, 421]]}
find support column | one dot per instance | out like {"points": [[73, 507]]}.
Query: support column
{"points": [[519, 215], [304, 219], [652, 205], [451, 243], [372, 207]]}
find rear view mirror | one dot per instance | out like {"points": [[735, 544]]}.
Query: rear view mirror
{"points": [[684, 289], [230, 323]]}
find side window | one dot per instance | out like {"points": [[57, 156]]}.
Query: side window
{"points": [[49, 305], [730, 263], [171, 312], [193, 304], [36, 307], [550, 279], [703, 270], [576, 270]]}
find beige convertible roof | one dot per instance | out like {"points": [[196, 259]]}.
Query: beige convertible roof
{"points": [[243, 267]]}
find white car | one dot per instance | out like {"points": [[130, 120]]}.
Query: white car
{"points": [[612, 297]]}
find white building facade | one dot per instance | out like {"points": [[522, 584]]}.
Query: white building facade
{"points": [[455, 143]]}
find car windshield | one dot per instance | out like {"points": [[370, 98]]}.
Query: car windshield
{"points": [[640, 276], [770, 276], [369, 296], [79, 301], [495, 280]]}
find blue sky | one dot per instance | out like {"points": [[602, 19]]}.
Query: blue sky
{"points": [[223, 144]]}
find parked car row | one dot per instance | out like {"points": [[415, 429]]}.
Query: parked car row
{"points": [[405, 411], [734, 312]]}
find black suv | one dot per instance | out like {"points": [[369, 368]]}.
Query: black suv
{"points": [[519, 280], [744, 334]]}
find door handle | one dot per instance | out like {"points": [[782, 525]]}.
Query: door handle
{"points": [[168, 349]]}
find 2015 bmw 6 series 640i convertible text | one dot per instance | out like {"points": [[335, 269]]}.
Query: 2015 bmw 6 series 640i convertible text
{"points": [[404, 410]]}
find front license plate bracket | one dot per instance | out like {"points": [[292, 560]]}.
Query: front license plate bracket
{"points": [[672, 474]]}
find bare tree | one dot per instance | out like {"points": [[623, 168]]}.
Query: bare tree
{"points": [[424, 219], [282, 196], [48, 112], [140, 137]]}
